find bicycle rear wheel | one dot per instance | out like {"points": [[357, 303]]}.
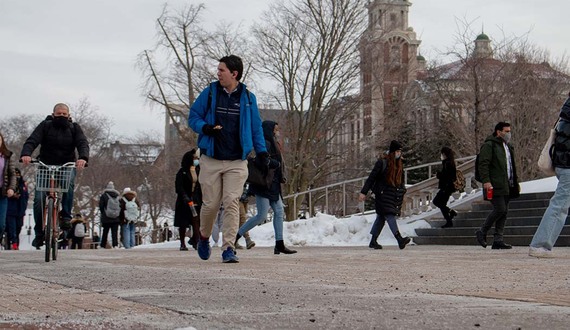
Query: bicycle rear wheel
{"points": [[48, 230]]}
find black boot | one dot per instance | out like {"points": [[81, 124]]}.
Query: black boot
{"points": [[238, 236], [449, 218], [374, 244], [402, 241], [280, 248]]}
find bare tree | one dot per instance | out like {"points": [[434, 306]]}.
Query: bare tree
{"points": [[308, 48], [508, 80], [169, 69]]}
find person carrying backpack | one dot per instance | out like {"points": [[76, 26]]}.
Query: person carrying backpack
{"points": [[130, 213], [110, 208], [446, 185], [77, 232]]}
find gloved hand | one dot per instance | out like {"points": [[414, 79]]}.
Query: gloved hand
{"points": [[262, 160], [210, 130]]}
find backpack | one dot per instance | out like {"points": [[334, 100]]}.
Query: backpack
{"points": [[477, 173], [113, 208], [79, 230], [459, 182], [131, 209]]}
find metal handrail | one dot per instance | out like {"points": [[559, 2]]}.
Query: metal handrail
{"points": [[343, 184]]}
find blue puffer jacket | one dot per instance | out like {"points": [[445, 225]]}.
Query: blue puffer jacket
{"points": [[561, 153], [251, 134]]}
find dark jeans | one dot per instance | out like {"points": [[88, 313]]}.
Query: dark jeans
{"points": [[12, 228], [379, 224], [114, 227], [498, 217], [77, 243], [440, 200]]}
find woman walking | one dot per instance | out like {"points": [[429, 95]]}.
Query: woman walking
{"points": [[188, 193], [270, 197], [8, 182], [446, 185], [387, 183]]}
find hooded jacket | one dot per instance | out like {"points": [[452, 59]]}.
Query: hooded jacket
{"points": [[58, 145], [561, 153], [184, 192], [103, 200], [130, 195], [272, 193], [493, 166]]}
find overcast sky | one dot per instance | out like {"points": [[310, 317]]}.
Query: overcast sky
{"points": [[63, 50]]}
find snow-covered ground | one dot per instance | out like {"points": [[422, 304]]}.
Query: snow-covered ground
{"points": [[327, 230]]}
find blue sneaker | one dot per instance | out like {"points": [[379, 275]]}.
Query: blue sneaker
{"points": [[229, 256], [204, 249]]}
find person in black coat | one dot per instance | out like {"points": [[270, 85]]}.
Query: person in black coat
{"points": [[188, 190], [446, 185], [270, 197], [387, 183]]}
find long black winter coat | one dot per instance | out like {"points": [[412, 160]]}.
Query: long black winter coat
{"points": [[57, 144], [447, 176], [272, 193], [561, 154], [184, 194], [387, 199]]}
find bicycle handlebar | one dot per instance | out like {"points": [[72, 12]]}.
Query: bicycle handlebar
{"points": [[37, 161]]}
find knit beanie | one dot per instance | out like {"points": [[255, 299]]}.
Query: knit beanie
{"points": [[395, 145], [110, 186]]}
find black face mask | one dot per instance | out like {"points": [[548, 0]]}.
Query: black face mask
{"points": [[60, 122]]}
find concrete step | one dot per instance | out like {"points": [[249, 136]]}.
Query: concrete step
{"points": [[511, 221], [470, 231], [514, 205], [513, 213], [517, 240], [525, 214]]}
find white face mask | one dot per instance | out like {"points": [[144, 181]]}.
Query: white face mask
{"points": [[507, 137], [442, 156]]}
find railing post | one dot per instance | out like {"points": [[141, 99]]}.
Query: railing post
{"points": [[344, 199], [310, 205], [327, 200]]}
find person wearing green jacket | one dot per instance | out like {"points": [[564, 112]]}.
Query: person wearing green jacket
{"points": [[498, 172]]}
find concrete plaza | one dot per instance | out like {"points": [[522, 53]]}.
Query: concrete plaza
{"points": [[421, 287]]}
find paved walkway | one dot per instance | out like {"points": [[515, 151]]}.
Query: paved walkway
{"points": [[421, 287]]}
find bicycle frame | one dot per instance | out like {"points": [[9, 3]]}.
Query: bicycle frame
{"points": [[53, 180]]}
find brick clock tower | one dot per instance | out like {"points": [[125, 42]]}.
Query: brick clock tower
{"points": [[389, 60]]}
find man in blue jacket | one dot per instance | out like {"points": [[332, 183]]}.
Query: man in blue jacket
{"points": [[226, 117]]}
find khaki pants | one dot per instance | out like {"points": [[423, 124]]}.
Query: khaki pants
{"points": [[243, 217], [222, 182]]}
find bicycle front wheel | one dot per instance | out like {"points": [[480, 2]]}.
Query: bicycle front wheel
{"points": [[48, 229]]}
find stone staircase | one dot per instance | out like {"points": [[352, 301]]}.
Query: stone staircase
{"points": [[524, 216]]}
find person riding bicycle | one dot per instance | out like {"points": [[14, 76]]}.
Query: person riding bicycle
{"points": [[59, 137]]}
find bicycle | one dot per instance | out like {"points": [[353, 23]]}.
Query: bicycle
{"points": [[55, 180]]}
